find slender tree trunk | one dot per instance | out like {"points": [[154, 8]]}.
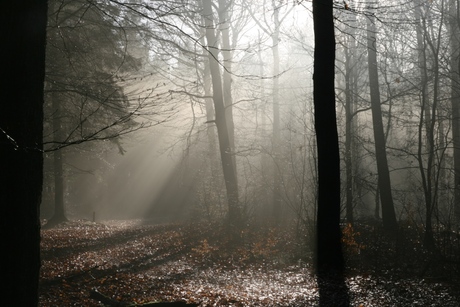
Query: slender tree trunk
{"points": [[210, 114], [377, 202], [431, 171], [348, 137], [213, 162], [22, 57], [59, 210], [234, 212], [388, 211], [276, 116], [455, 100], [350, 125], [440, 190], [424, 110], [356, 146], [264, 158], [224, 25], [428, 120]]}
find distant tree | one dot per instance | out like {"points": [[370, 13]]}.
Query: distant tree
{"points": [[229, 170], [349, 69], [329, 256], [348, 133], [454, 23], [272, 27], [384, 183], [22, 57], [224, 10], [429, 48], [86, 55]]}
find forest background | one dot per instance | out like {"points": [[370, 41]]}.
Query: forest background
{"points": [[217, 97]]}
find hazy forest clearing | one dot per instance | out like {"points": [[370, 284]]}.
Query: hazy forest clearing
{"points": [[134, 263]]}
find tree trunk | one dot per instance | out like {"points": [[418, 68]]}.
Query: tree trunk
{"points": [[455, 101], [428, 119], [276, 117], [348, 137], [432, 171], [234, 214], [329, 249], [264, 157], [329, 257], [224, 25], [388, 211], [59, 211], [22, 57], [377, 202], [213, 162]]}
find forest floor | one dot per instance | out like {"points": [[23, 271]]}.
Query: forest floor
{"points": [[130, 262]]}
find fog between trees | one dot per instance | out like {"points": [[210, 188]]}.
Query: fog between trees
{"points": [[205, 111], [115, 67]]}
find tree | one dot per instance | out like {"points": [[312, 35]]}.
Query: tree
{"points": [[454, 20], [429, 42], [349, 72], [224, 27], [348, 136], [384, 183], [272, 27], [59, 212], [83, 99], [229, 170], [329, 257], [22, 59]]}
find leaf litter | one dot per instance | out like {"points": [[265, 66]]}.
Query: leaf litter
{"points": [[131, 262]]}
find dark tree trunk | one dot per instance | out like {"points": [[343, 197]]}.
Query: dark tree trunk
{"points": [[59, 212], [329, 257], [388, 211], [234, 214], [348, 137], [432, 120], [377, 203], [329, 233], [428, 119], [455, 101], [22, 57], [224, 26]]}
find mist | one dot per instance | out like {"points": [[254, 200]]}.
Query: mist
{"points": [[199, 119]]}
